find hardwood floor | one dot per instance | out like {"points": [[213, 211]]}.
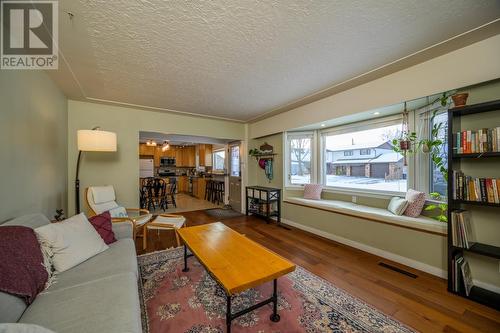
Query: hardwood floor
{"points": [[421, 302]]}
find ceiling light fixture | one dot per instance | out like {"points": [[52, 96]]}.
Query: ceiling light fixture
{"points": [[151, 143], [165, 146], [323, 125], [376, 113]]}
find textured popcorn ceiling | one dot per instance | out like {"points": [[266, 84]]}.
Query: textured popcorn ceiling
{"points": [[239, 59]]}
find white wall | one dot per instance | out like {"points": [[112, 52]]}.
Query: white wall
{"points": [[33, 141]]}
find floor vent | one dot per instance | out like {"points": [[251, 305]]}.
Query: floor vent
{"points": [[399, 270]]}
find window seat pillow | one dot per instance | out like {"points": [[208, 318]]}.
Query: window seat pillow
{"points": [[372, 213]]}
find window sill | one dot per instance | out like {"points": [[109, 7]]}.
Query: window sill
{"points": [[421, 223]]}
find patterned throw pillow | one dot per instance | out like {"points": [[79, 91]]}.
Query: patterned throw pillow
{"points": [[102, 224], [416, 201], [313, 191]]}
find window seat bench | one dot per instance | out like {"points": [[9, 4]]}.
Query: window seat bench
{"points": [[421, 223]]}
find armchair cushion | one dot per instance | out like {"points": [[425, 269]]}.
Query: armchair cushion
{"points": [[169, 221], [118, 212], [103, 194], [101, 198], [143, 219]]}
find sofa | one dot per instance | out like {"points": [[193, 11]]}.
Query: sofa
{"points": [[99, 295]]}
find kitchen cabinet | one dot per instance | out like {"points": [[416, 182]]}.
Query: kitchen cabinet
{"points": [[185, 157], [146, 150], [208, 155], [157, 156], [195, 187], [183, 184], [205, 155], [170, 152], [190, 156], [179, 156]]}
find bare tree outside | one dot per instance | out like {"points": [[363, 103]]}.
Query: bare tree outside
{"points": [[301, 154]]}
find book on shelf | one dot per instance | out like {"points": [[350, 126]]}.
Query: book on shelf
{"points": [[461, 275], [477, 141], [467, 277], [477, 189], [462, 233]]}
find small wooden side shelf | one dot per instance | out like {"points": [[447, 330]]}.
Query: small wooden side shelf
{"points": [[264, 202]]}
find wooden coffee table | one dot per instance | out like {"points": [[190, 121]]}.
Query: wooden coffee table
{"points": [[235, 262]]}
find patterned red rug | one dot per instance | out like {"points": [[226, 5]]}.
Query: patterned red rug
{"points": [[192, 302]]}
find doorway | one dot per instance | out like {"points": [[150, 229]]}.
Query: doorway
{"points": [[235, 176]]}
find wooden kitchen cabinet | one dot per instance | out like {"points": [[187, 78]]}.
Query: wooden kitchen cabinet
{"points": [[190, 156], [208, 155], [146, 150], [157, 156], [205, 155], [170, 152], [183, 184]]}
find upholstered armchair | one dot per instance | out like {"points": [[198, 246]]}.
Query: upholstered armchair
{"points": [[102, 198]]}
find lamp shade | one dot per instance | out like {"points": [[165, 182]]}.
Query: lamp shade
{"points": [[96, 140]]}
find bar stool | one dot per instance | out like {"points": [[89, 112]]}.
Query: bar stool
{"points": [[209, 189], [218, 195]]}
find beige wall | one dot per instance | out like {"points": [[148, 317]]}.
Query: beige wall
{"points": [[257, 175], [467, 66], [33, 141], [121, 169], [418, 249]]}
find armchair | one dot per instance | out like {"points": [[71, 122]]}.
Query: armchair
{"points": [[100, 199]]}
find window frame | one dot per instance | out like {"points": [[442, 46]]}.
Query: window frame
{"points": [[213, 159], [360, 126], [287, 158]]}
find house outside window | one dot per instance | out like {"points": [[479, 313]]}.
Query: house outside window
{"points": [[364, 151], [361, 158]]}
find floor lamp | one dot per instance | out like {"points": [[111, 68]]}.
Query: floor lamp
{"points": [[91, 140]]}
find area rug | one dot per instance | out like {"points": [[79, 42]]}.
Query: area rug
{"points": [[221, 213], [192, 302]]}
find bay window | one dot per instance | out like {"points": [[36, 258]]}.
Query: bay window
{"points": [[299, 158], [360, 157]]}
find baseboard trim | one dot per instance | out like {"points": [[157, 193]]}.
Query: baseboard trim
{"points": [[436, 271]]}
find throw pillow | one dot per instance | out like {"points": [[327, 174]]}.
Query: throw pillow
{"points": [[397, 205], [102, 224], [313, 191], [71, 241], [21, 265], [416, 201], [118, 212]]}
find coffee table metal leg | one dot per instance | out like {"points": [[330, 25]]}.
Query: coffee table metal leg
{"points": [[228, 314], [186, 268], [275, 317]]}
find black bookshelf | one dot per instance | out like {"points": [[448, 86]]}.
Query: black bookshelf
{"points": [[477, 294], [478, 155]]}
